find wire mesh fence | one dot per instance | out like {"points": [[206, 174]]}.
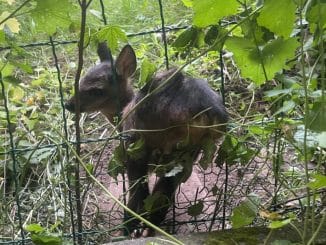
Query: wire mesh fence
{"points": [[39, 178]]}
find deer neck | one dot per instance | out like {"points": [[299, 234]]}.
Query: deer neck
{"points": [[113, 110]]}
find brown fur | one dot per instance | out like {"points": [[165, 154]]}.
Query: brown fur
{"points": [[184, 110]]}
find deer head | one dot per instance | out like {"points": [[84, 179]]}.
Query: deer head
{"points": [[106, 86]]}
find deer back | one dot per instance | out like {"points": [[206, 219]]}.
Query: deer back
{"points": [[184, 109]]}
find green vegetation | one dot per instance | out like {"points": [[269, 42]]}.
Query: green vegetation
{"points": [[274, 79]]}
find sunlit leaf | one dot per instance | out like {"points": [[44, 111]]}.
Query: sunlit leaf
{"points": [[49, 15], [187, 3], [318, 181], [269, 215], [112, 34], [35, 228], [11, 23], [278, 16], [2, 36], [147, 70], [279, 223], [209, 12], [256, 62]]}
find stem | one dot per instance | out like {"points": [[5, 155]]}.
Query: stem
{"points": [[83, 5], [14, 12], [305, 121], [14, 160]]}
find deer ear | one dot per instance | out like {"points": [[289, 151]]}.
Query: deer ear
{"points": [[126, 62], [104, 52]]}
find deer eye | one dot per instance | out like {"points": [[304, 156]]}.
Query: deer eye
{"points": [[96, 92]]}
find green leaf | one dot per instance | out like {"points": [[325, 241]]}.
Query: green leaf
{"points": [[116, 164], [251, 60], [38, 155], [196, 209], [49, 15], [278, 16], [246, 212], [279, 223], [209, 149], [317, 117], [45, 239], [209, 12], [112, 34], [188, 3], [147, 69], [34, 228], [2, 36], [137, 150], [287, 106], [318, 182], [11, 23], [186, 38], [277, 92], [317, 15]]}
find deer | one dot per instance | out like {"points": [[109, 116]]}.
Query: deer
{"points": [[172, 114]]}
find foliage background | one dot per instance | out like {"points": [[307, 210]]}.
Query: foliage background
{"points": [[272, 58]]}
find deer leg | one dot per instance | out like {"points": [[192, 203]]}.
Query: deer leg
{"points": [[165, 187], [138, 191]]}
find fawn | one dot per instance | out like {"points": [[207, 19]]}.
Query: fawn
{"points": [[172, 122]]}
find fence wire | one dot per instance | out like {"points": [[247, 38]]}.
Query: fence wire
{"points": [[219, 188]]}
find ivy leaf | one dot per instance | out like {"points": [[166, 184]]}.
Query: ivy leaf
{"points": [[278, 16], [209, 12], [196, 209], [111, 34], [49, 15], [12, 23], [250, 58], [246, 212]]}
